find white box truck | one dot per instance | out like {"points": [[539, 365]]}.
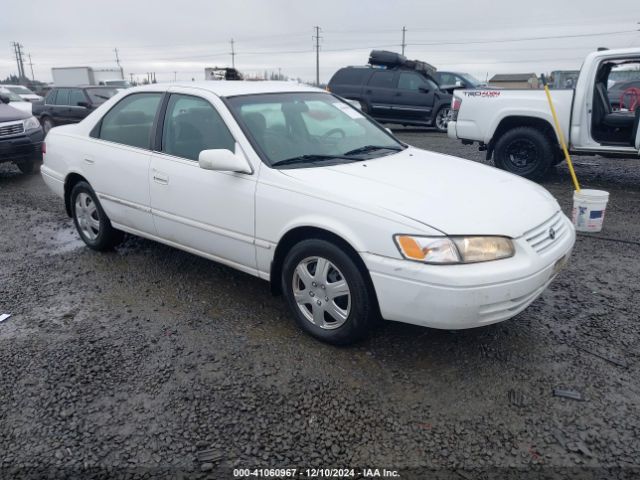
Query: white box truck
{"points": [[72, 76]]}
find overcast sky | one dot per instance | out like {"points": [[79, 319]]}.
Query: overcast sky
{"points": [[187, 35]]}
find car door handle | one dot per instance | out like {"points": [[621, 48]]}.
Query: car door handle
{"points": [[161, 178]]}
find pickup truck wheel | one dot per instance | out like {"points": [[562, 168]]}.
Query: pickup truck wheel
{"points": [[327, 293], [47, 124], [442, 119], [91, 221], [524, 151]]}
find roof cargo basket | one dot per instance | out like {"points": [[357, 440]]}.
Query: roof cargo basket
{"points": [[392, 59]]}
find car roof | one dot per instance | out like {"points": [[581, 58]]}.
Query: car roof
{"points": [[230, 88], [110, 87]]}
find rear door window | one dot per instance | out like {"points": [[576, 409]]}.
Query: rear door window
{"points": [[413, 81], [383, 79], [63, 97], [76, 95], [130, 121]]}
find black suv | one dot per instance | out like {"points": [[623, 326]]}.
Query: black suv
{"points": [[20, 137], [393, 89], [64, 105]]}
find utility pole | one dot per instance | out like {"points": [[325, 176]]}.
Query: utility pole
{"points": [[317, 47], [118, 62], [175, 76], [404, 31], [31, 65], [17, 48], [233, 54]]}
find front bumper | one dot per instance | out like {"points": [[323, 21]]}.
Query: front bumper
{"points": [[23, 147], [467, 296]]}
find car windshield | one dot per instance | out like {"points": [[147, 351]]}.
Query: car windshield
{"points": [[471, 79], [101, 95], [307, 129], [20, 90], [12, 96]]}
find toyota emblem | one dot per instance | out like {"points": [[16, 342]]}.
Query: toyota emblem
{"points": [[552, 233]]}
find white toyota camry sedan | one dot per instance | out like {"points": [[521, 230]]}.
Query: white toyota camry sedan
{"points": [[296, 186]]}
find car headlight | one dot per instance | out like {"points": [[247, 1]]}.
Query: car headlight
{"points": [[458, 249], [31, 123]]}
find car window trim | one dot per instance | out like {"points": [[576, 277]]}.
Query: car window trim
{"points": [[157, 144]]}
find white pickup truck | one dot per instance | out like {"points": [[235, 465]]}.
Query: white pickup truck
{"points": [[516, 126]]}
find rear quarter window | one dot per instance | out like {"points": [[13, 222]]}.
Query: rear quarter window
{"points": [[349, 76]]}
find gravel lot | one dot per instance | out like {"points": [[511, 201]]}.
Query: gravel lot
{"points": [[150, 362]]}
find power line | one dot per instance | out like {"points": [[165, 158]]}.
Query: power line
{"points": [[525, 39]]}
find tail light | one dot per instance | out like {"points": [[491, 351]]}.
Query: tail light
{"points": [[456, 102], [44, 148]]}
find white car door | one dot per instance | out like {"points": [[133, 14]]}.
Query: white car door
{"points": [[211, 212], [116, 162]]}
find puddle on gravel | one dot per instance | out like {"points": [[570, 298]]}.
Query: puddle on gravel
{"points": [[58, 238]]}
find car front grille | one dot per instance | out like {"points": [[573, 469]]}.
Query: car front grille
{"points": [[546, 235], [14, 128]]}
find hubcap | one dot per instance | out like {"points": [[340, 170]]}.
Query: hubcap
{"points": [[87, 216], [321, 292], [522, 154]]}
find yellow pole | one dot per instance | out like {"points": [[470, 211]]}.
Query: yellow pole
{"points": [[563, 143]]}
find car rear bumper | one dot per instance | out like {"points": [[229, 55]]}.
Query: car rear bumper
{"points": [[465, 296], [23, 147]]}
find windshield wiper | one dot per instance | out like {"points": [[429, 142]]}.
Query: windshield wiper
{"points": [[311, 158], [371, 148]]}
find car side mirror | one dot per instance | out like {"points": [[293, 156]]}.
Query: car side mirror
{"points": [[4, 99], [84, 104], [223, 160]]}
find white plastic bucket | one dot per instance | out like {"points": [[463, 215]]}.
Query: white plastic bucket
{"points": [[588, 209]]}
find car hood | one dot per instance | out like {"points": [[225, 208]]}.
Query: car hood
{"points": [[24, 106], [455, 196], [9, 113]]}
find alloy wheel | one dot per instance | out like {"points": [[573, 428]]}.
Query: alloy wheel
{"points": [[442, 118]]}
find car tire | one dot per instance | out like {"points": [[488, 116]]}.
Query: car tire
{"points": [[333, 304], [442, 119], [27, 166], [47, 124], [91, 221], [524, 151]]}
